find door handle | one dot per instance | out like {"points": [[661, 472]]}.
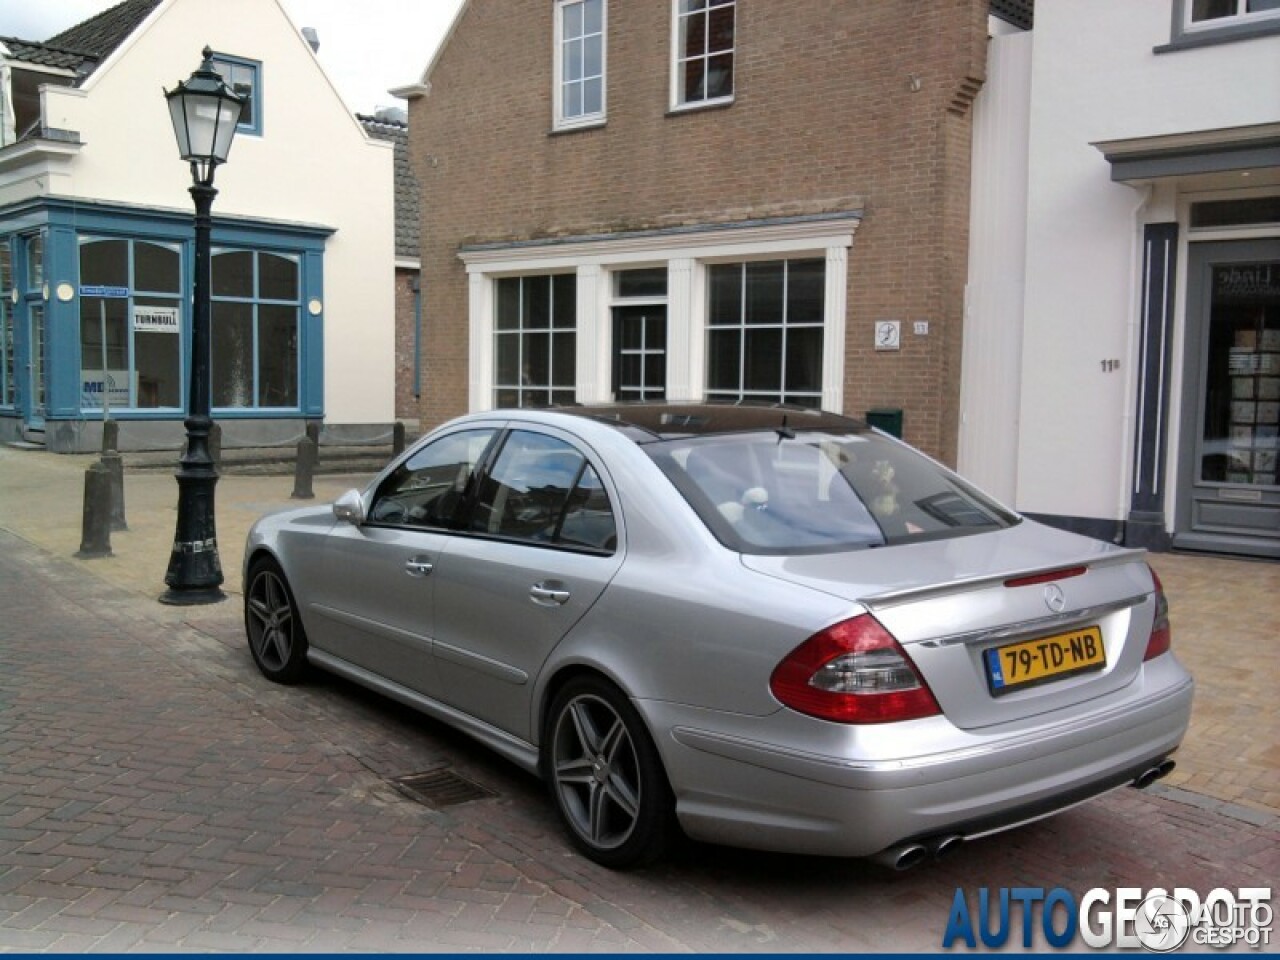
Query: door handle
{"points": [[547, 595], [418, 567]]}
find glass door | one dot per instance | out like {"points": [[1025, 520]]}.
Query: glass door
{"points": [[1232, 500], [36, 375]]}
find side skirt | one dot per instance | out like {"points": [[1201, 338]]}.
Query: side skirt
{"points": [[522, 754]]}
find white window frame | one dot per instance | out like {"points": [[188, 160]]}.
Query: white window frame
{"points": [[561, 121], [1241, 25], [1242, 15], [687, 256], [677, 60]]}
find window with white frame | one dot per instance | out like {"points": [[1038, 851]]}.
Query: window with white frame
{"points": [[1211, 11], [1199, 22], [765, 331], [580, 62], [535, 340], [640, 334], [703, 54]]}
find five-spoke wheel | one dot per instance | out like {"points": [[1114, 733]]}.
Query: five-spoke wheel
{"points": [[605, 775], [276, 637]]}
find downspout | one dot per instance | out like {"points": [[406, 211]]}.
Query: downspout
{"points": [[417, 336]]}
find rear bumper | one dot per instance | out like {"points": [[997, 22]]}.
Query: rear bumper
{"points": [[840, 793]]}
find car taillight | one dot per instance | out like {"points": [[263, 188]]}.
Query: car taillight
{"points": [[1161, 638], [853, 672]]}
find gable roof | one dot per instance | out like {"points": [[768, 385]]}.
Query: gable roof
{"points": [[406, 184], [44, 55], [98, 36], [82, 48]]}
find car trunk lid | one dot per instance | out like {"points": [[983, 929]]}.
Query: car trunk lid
{"points": [[1001, 625]]}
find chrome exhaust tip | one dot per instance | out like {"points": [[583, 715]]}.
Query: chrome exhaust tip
{"points": [[1152, 774], [945, 846], [902, 857]]}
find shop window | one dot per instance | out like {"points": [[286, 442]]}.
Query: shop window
{"points": [[256, 302], [535, 340], [765, 331], [130, 324]]}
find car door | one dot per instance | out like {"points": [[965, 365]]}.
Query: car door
{"points": [[543, 543], [377, 610]]}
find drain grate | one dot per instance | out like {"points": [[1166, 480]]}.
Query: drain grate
{"points": [[440, 788]]}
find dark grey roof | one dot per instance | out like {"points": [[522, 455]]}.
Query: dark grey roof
{"points": [[406, 184], [1020, 13], [44, 55], [82, 47], [101, 34]]}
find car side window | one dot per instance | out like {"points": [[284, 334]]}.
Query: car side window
{"points": [[542, 490], [427, 489]]}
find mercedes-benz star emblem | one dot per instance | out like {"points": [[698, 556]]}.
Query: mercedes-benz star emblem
{"points": [[1054, 598]]}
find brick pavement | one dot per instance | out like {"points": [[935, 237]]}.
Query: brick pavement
{"points": [[157, 793]]}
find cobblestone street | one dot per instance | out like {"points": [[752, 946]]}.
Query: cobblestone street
{"points": [[156, 793]]}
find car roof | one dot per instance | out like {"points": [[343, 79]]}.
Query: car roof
{"points": [[651, 422]]}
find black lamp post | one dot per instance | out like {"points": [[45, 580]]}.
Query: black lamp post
{"points": [[205, 112]]}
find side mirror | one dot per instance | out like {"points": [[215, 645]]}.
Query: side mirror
{"points": [[349, 508]]}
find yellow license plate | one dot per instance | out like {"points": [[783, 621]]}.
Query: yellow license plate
{"points": [[1044, 659]]}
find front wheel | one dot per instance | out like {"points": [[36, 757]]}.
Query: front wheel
{"points": [[276, 638], [606, 776]]}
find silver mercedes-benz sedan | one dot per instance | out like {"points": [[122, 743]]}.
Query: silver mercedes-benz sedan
{"points": [[767, 627]]}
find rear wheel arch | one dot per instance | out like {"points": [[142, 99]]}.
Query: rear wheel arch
{"points": [[604, 771]]}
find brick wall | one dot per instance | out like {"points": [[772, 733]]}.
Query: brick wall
{"points": [[838, 106]]}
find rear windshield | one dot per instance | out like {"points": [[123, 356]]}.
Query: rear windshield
{"points": [[810, 492]]}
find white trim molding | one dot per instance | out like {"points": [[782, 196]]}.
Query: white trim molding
{"points": [[686, 252]]}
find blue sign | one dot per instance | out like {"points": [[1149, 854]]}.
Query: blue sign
{"points": [[101, 291]]}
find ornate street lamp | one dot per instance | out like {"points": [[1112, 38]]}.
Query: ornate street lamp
{"points": [[205, 112]]}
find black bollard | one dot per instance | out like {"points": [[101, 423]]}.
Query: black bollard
{"points": [[304, 468], [114, 465], [397, 439], [95, 539]]}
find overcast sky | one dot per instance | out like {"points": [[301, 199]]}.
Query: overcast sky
{"points": [[366, 46]]}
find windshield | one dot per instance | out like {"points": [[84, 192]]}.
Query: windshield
{"points": [[788, 492]]}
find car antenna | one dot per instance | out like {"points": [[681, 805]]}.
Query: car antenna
{"points": [[784, 432]]}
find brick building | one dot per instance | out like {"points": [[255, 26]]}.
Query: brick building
{"points": [[683, 198]]}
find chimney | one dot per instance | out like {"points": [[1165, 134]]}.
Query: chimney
{"points": [[312, 38]]}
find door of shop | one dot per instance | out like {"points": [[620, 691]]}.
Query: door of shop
{"points": [[35, 394], [1229, 498]]}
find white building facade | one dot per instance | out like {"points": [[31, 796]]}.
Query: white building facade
{"points": [[1122, 339], [96, 240]]}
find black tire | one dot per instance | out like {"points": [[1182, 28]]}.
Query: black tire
{"points": [[606, 777], [276, 637]]}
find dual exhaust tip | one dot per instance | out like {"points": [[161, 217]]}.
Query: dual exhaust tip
{"points": [[907, 855], [904, 856]]}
